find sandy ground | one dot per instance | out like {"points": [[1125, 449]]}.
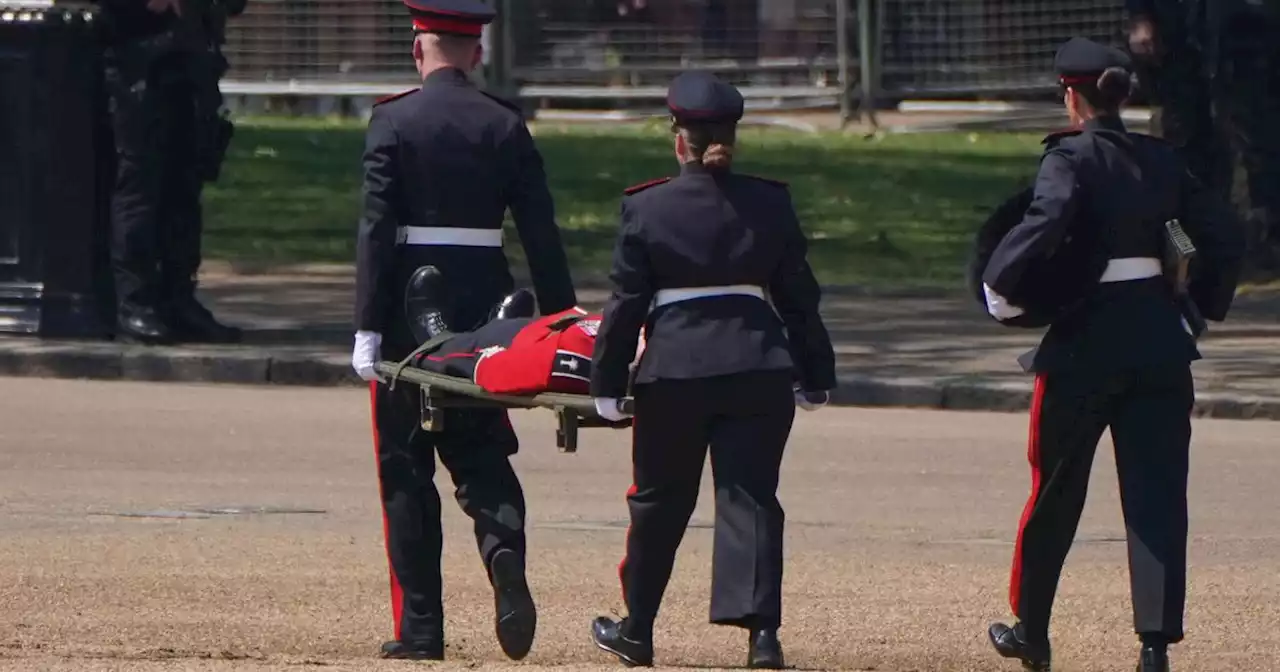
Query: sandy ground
{"points": [[900, 528]]}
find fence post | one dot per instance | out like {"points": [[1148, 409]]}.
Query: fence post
{"points": [[868, 40], [501, 58], [842, 56]]}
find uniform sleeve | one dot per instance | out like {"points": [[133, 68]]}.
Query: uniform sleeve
{"points": [[1053, 208], [795, 294], [1220, 244], [534, 213], [626, 312], [376, 238]]}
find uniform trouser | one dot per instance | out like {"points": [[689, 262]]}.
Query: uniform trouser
{"points": [[155, 206], [1149, 414], [475, 447], [746, 420]]}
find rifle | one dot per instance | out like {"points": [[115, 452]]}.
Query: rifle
{"points": [[214, 129], [1178, 253]]}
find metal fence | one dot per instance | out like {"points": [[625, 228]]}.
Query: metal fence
{"points": [[613, 51]]}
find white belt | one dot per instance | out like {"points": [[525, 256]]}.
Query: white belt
{"points": [[1132, 268], [444, 235], [669, 296]]}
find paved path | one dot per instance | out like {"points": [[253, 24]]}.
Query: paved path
{"points": [[893, 350], [900, 531]]}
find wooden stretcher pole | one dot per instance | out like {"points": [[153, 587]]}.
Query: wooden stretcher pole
{"points": [[573, 411]]}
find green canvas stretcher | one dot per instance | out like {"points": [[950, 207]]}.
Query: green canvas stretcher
{"points": [[438, 392]]}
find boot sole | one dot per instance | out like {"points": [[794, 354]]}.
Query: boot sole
{"points": [[516, 620], [1027, 665], [144, 340], [626, 660]]}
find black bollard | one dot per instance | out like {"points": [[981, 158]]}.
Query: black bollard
{"points": [[54, 280]]}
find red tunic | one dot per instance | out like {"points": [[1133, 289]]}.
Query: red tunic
{"points": [[524, 356]]}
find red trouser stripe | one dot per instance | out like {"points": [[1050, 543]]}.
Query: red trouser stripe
{"points": [[622, 566], [1033, 456], [397, 595]]}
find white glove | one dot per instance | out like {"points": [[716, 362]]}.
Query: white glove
{"points": [[998, 306], [607, 407], [365, 355], [803, 401]]}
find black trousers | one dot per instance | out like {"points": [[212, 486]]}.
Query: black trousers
{"points": [[745, 419], [155, 206], [1149, 414], [475, 447]]}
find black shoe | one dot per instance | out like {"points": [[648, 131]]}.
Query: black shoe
{"points": [[1012, 643], [520, 303], [516, 617], [193, 323], [424, 650], [607, 634], [424, 304], [142, 325], [1154, 658], [765, 651]]}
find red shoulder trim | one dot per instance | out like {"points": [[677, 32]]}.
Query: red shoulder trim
{"points": [[641, 187], [1058, 135], [394, 96], [766, 180]]}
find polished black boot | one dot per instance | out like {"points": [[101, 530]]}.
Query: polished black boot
{"points": [[193, 323], [1154, 658], [611, 636], [432, 649], [515, 616], [520, 303], [424, 304], [765, 652], [1012, 642], [137, 324]]}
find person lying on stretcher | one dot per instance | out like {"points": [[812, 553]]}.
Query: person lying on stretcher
{"points": [[514, 353]]}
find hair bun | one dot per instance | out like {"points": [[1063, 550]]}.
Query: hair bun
{"points": [[1115, 84]]}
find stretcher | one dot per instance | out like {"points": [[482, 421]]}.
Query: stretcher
{"points": [[439, 391]]}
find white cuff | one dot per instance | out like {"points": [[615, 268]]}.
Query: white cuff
{"points": [[365, 354], [607, 408], [998, 306]]}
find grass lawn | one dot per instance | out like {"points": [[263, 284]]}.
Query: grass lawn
{"points": [[896, 211]]}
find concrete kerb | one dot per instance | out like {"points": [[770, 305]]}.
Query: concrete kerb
{"points": [[256, 366]]}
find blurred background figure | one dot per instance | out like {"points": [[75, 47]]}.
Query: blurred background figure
{"points": [[163, 61], [1213, 70]]}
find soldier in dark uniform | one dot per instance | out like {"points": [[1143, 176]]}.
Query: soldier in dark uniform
{"points": [[161, 58], [1119, 358], [1213, 68], [695, 258], [442, 165]]}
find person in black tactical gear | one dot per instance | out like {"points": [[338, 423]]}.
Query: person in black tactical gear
{"points": [[1119, 355], [163, 61], [1213, 70], [442, 164], [696, 263]]}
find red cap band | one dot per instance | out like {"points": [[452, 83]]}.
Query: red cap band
{"points": [[1072, 81], [432, 24]]}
